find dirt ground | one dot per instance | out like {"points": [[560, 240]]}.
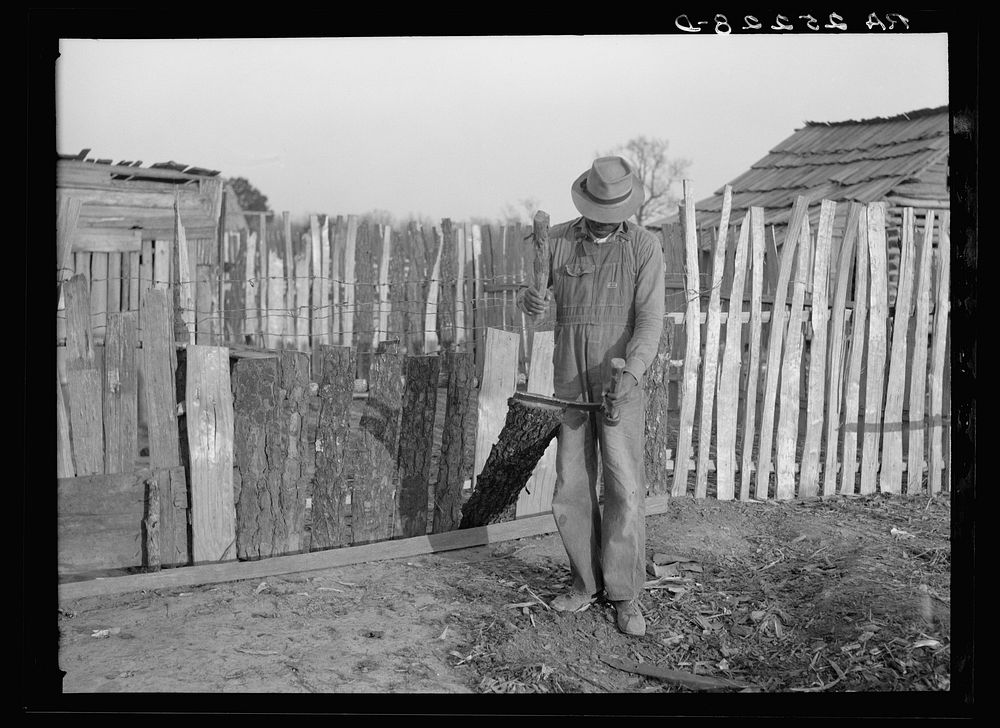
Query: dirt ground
{"points": [[848, 594]]}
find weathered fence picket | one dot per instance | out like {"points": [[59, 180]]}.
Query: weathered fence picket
{"points": [[878, 315]]}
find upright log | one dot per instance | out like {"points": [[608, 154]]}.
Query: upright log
{"points": [[710, 366], [817, 376], [331, 489], [892, 437], [121, 445], [753, 367], [918, 374], [84, 385], [776, 334], [416, 444], [835, 365], [875, 365], [210, 443], [729, 376], [453, 464], [791, 368], [375, 482], [692, 321]]}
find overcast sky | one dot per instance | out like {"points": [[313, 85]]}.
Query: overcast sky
{"points": [[461, 126]]}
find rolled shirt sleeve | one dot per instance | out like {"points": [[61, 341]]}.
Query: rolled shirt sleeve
{"points": [[649, 306]]}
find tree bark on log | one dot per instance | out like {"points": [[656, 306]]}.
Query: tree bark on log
{"points": [[453, 460], [330, 526], [416, 441]]}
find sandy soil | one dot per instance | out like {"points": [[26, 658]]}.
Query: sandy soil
{"points": [[846, 594]]}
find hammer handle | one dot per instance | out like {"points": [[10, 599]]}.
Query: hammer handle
{"points": [[617, 367]]}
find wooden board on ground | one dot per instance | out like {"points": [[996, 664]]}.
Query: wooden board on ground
{"points": [[892, 421], [121, 444], [210, 442], [499, 382], [728, 400], [536, 497], [331, 490], [835, 365], [84, 381], [775, 338], [878, 308], [788, 416], [710, 364], [935, 461], [918, 374], [452, 464], [692, 318], [416, 443], [817, 375], [753, 367], [397, 549]]}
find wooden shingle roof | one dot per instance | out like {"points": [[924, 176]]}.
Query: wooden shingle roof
{"points": [[865, 161]]}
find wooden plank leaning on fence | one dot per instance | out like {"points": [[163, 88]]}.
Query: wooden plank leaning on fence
{"points": [[878, 308], [64, 447], [210, 444], [817, 375], [692, 326], [497, 385], [835, 365], [729, 376], [416, 443], [375, 481], [453, 464], [710, 363], [892, 424], [918, 376], [776, 335], [331, 489], [753, 367], [791, 369], [852, 384], [121, 444], [938, 417], [83, 373], [159, 364], [105, 521], [536, 497]]}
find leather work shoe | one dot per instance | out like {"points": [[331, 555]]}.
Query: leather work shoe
{"points": [[571, 602], [630, 619]]}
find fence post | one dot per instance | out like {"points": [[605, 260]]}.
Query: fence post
{"points": [[753, 369], [875, 364], [852, 387], [692, 323], [416, 441], [709, 371], [728, 406], [452, 465], [938, 349], [791, 367], [918, 375], [776, 333], [817, 376]]}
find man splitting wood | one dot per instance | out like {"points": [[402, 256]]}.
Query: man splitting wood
{"points": [[606, 276]]}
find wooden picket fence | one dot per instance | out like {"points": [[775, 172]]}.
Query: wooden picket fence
{"points": [[241, 373]]}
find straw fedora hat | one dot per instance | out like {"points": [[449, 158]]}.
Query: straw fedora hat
{"points": [[609, 191]]}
